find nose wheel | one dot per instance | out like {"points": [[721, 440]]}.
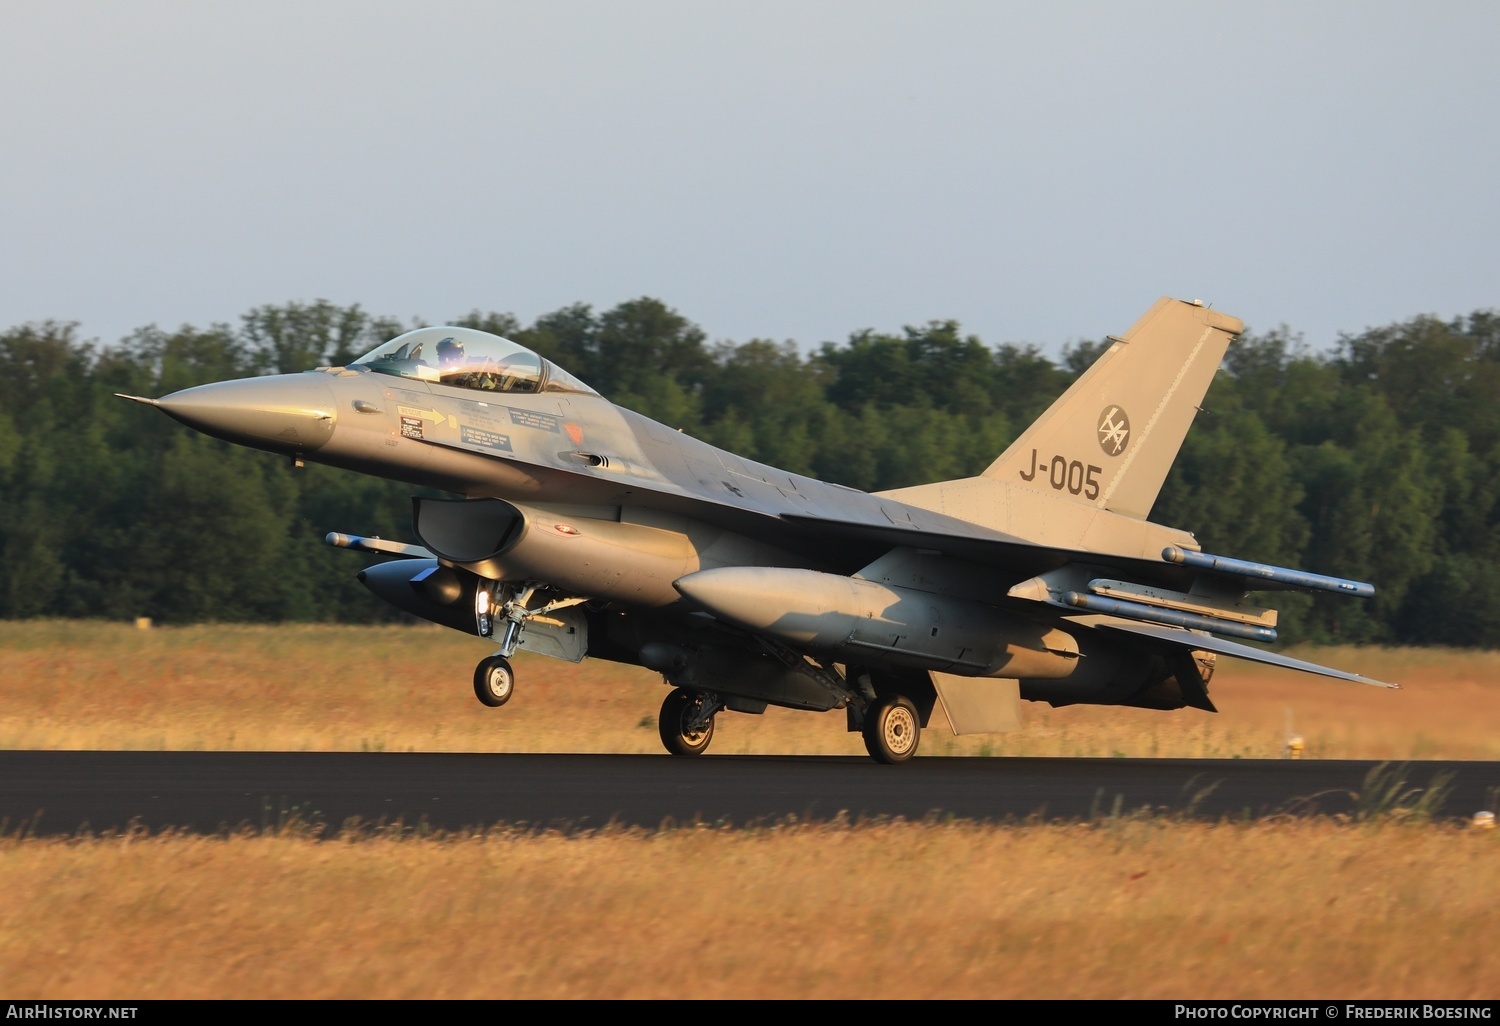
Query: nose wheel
{"points": [[686, 722], [892, 729], [494, 681]]}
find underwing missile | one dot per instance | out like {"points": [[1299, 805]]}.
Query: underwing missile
{"points": [[1157, 614], [1287, 578]]}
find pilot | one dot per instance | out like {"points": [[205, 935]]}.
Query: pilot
{"points": [[450, 353]]}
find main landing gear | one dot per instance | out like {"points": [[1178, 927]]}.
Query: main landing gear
{"points": [[494, 681], [892, 729], [686, 722]]}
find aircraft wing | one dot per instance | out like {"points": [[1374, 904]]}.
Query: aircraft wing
{"points": [[1175, 569], [1209, 643], [991, 548], [998, 550], [1153, 598]]}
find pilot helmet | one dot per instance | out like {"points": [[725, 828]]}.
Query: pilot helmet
{"points": [[450, 351]]}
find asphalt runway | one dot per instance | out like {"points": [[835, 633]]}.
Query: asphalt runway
{"points": [[62, 793]]}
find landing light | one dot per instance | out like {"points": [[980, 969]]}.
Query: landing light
{"points": [[482, 612]]}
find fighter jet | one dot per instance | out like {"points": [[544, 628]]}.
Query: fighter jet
{"points": [[585, 529]]}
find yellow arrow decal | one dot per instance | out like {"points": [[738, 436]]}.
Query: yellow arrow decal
{"points": [[432, 415]]}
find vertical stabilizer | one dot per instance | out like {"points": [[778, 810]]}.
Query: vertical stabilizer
{"points": [[1110, 439]]}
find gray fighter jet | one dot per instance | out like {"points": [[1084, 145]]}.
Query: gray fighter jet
{"points": [[589, 530]]}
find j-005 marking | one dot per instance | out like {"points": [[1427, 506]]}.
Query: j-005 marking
{"points": [[1063, 474]]}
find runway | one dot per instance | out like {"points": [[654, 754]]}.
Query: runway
{"points": [[49, 793]]}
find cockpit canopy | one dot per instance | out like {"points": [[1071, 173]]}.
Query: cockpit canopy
{"points": [[469, 358]]}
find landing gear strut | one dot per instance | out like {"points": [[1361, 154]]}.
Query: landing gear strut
{"points": [[506, 606], [892, 729], [494, 681], [686, 722]]}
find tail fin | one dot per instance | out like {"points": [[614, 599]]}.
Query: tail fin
{"points": [[1110, 439]]}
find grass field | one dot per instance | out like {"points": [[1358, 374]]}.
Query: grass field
{"points": [[1392, 907], [1132, 908], [317, 688]]}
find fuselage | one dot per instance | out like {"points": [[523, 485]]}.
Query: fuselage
{"points": [[501, 422]]}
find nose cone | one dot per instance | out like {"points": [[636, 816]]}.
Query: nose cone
{"points": [[290, 413]]}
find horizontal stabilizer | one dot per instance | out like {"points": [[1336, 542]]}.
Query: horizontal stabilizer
{"points": [[1209, 643]]}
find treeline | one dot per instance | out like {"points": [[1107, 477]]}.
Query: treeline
{"points": [[1378, 461]]}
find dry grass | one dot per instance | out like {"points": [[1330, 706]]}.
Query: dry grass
{"points": [[316, 688], [1132, 908]]}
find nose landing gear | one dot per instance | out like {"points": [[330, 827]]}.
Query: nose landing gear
{"points": [[506, 606], [494, 681]]}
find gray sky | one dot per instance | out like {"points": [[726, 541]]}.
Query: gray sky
{"points": [[1041, 172]]}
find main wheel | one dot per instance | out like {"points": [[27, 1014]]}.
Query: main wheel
{"points": [[680, 707], [494, 681], [892, 729]]}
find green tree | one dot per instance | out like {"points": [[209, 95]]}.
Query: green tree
{"points": [[1380, 461], [217, 551], [1373, 512], [642, 341], [299, 336], [1232, 486]]}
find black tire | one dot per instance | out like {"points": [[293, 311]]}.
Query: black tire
{"points": [[679, 706], [892, 729], [494, 681]]}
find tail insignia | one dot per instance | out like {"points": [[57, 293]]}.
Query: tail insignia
{"points": [[1114, 430]]}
